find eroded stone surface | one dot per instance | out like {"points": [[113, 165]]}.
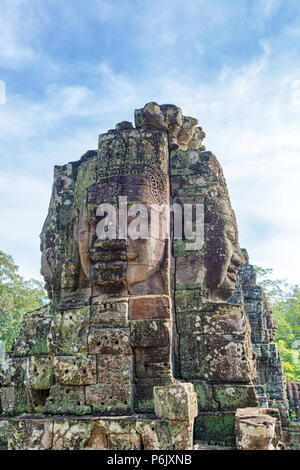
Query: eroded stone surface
{"points": [[176, 402], [128, 316], [75, 370], [257, 429], [95, 433], [269, 381], [68, 400], [293, 394]]}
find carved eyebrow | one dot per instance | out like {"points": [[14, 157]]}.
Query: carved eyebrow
{"points": [[230, 232], [229, 228]]}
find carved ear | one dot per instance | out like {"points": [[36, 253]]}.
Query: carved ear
{"points": [[83, 233]]}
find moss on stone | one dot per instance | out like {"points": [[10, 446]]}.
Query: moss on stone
{"points": [[215, 428], [206, 401], [231, 397]]}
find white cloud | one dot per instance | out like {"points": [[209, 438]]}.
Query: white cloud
{"points": [[24, 201], [251, 115], [269, 6], [252, 124], [19, 22]]}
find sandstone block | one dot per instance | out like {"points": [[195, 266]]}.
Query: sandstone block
{"points": [[69, 332], [13, 392], [215, 428], [64, 399], [40, 372], [109, 315], [30, 434], [155, 434], [190, 272], [150, 333], [143, 393], [231, 397], [4, 426], [183, 434], [76, 370], [112, 398], [112, 368], [205, 396], [189, 301], [176, 402], [71, 434], [8, 399], [150, 307], [257, 429], [109, 341], [32, 339], [124, 441], [215, 358]]}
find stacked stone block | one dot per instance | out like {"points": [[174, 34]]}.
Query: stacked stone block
{"points": [[270, 381], [293, 394], [214, 349], [135, 325], [97, 352]]}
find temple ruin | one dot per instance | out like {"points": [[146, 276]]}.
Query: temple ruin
{"points": [[147, 342]]}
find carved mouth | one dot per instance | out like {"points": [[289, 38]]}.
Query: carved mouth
{"points": [[232, 273], [107, 256], [132, 256]]}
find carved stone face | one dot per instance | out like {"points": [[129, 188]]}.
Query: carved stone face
{"points": [[119, 261], [223, 257], [144, 258]]}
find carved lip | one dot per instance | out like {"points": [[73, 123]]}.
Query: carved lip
{"points": [[107, 265], [132, 256], [232, 273]]}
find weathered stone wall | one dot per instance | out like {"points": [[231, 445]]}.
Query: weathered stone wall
{"points": [[105, 340], [90, 433], [293, 394], [270, 383], [291, 436], [258, 429], [104, 343], [214, 349]]}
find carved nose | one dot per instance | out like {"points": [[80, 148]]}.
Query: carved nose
{"points": [[238, 257]]}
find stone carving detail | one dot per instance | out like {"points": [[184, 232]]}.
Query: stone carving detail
{"points": [[213, 347], [182, 130], [270, 382], [105, 341], [131, 163], [139, 334]]}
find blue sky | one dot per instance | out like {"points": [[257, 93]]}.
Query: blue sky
{"points": [[74, 69]]}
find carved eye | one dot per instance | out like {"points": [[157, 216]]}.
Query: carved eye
{"points": [[230, 235]]}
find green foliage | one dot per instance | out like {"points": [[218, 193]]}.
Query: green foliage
{"points": [[293, 415], [290, 309], [275, 289], [289, 361], [17, 297], [285, 302]]}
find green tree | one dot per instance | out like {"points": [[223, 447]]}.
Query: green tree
{"points": [[284, 331], [17, 297], [289, 361], [275, 289], [290, 309]]}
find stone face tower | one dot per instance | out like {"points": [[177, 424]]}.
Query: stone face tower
{"points": [[135, 324]]}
